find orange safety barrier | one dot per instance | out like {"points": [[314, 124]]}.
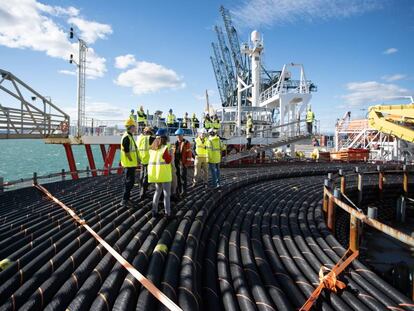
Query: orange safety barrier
{"points": [[330, 280], [167, 302]]}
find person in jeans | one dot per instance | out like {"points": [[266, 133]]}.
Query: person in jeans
{"points": [[160, 172], [214, 149], [144, 142], [129, 161], [201, 162]]}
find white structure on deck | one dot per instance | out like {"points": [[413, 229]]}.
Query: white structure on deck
{"points": [[282, 105]]}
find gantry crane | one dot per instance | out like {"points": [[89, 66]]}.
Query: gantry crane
{"points": [[396, 120]]}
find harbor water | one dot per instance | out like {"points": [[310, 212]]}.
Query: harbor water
{"points": [[19, 158]]}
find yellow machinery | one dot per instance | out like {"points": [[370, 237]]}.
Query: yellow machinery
{"points": [[396, 120]]}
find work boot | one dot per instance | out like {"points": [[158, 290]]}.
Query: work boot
{"points": [[127, 203], [169, 216]]}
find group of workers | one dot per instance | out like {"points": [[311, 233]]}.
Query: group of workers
{"points": [[193, 123], [209, 122], [166, 165]]}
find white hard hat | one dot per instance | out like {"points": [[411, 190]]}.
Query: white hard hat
{"points": [[211, 131], [202, 131]]}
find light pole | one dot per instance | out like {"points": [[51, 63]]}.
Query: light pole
{"points": [[81, 67]]}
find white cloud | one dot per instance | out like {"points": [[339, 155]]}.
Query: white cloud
{"points": [[372, 92], [124, 61], [57, 10], [28, 24], [68, 72], [390, 51], [100, 111], [255, 13], [90, 30], [392, 78], [145, 77]]}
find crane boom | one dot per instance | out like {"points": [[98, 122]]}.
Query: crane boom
{"points": [[226, 58], [221, 66], [395, 120], [234, 42], [219, 79]]}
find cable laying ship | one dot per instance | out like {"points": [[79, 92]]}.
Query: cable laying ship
{"points": [[282, 236]]}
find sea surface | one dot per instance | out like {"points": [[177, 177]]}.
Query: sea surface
{"points": [[19, 158]]}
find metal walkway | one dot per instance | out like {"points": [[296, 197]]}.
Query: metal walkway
{"points": [[288, 133], [28, 114], [254, 152]]}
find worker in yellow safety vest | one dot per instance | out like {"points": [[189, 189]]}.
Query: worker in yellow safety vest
{"points": [[216, 123], [214, 148], [310, 117], [171, 120], [132, 115], [195, 123], [207, 122], [129, 160], [201, 161], [160, 171], [144, 142], [141, 118], [249, 131], [186, 121]]}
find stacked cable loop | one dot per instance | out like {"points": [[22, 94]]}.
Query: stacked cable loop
{"points": [[258, 243]]}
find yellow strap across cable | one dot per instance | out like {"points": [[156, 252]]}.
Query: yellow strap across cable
{"points": [[131, 269]]}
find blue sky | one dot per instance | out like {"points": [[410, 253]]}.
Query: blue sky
{"points": [[357, 52]]}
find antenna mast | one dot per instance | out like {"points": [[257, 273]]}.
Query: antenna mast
{"points": [[81, 67]]}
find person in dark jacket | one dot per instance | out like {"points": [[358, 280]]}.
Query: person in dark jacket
{"points": [[182, 159]]}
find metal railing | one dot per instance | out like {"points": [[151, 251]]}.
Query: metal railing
{"points": [[33, 115], [290, 86], [53, 177], [336, 197], [96, 127]]}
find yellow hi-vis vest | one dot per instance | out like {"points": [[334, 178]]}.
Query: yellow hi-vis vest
{"points": [[170, 118], [216, 124], [214, 148], [125, 162], [141, 117], [249, 123], [143, 148], [310, 116], [201, 147], [207, 124], [158, 170]]}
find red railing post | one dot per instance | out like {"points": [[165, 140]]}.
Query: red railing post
{"points": [[103, 151], [71, 161], [110, 158], [91, 160]]}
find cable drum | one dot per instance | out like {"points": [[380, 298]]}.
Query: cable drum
{"points": [[257, 243]]}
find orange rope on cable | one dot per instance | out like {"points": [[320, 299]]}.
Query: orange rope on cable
{"points": [[330, 281], [167, 302]]}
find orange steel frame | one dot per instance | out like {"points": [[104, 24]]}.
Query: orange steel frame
{"points": [[108, 157]]}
